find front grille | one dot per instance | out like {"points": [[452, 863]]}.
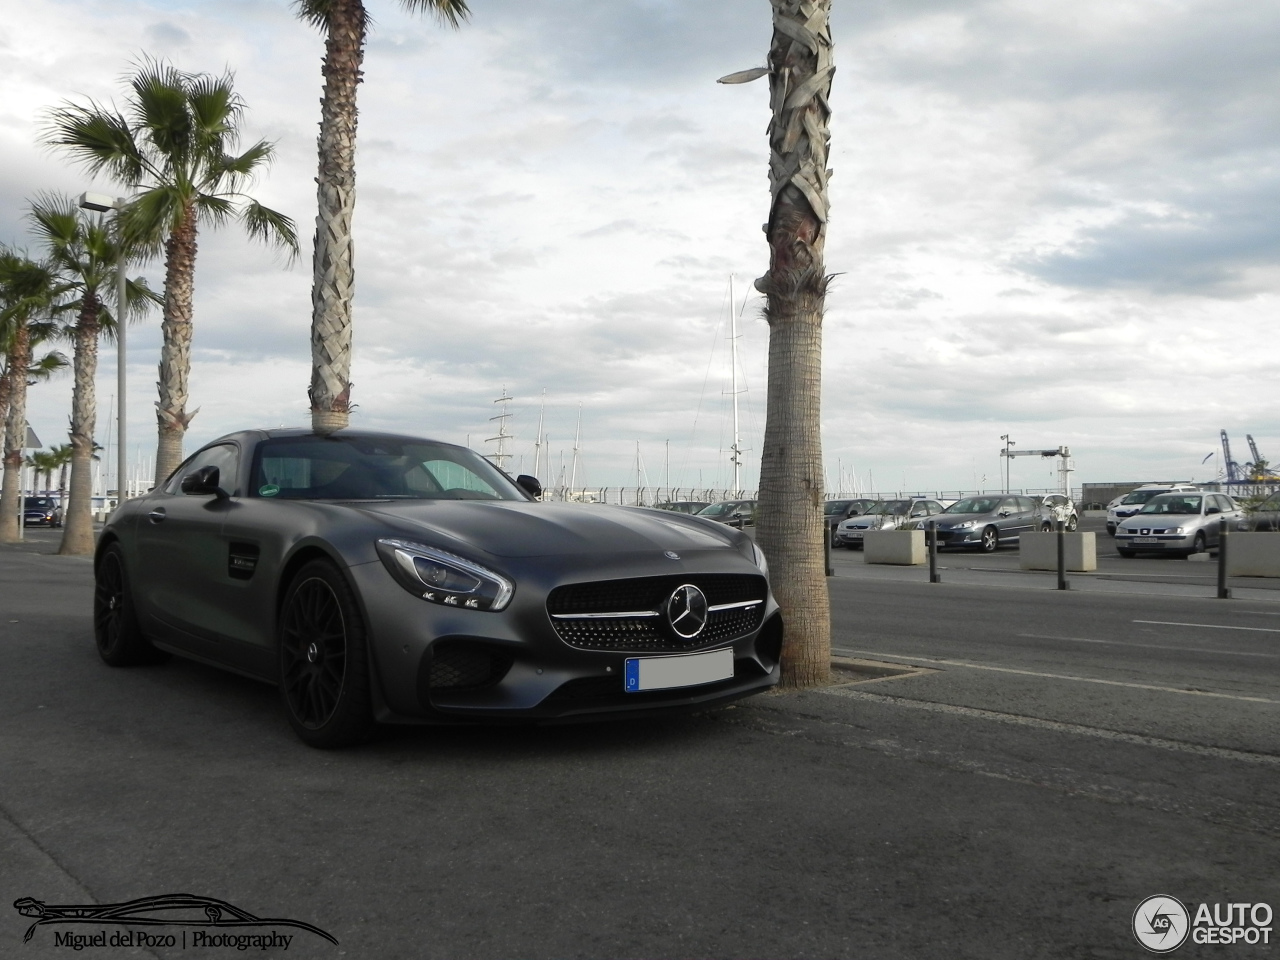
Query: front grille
{"points": [[647, 595]]}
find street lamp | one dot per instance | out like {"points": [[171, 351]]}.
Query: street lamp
{"points": [[1007, 459], [101, 203]]}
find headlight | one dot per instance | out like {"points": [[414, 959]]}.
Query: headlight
{"points": [[965, 525], [445, 578], [1177, 529], [761, 562]]}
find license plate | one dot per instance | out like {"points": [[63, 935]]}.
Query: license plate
{"points": [[689, 670], [855, 534], [1145, 540]]}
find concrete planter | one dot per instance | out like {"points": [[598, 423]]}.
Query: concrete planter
{"points": [[1039, 551], [1253, 555], [903, 547]]}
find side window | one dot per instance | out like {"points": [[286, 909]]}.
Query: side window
{"points": [[1026, 505], [224, 456]]}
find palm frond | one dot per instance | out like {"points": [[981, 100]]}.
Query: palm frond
{"points": [[219, 210], [241, 168], [45, 367], [216, 111], [98, 138], [159, 107], [149, 218], [451, 12], [271, 227], [318, 12]]}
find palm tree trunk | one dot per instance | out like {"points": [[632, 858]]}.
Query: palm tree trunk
{"points": [[790, 526], [175, 351], [15, 434], [77, 532], [333, 278]]}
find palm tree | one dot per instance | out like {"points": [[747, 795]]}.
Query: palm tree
{"points": [[62, 460], [27, 293], [173, 146], [345, 24], [789, 527], [84, 253]]}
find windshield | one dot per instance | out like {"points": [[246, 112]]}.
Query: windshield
{"points": [[375, 468], [1140, 496], [718, 509], [888, 508], [834, 508], [39, 503], [1174, 503], [974, 505]]}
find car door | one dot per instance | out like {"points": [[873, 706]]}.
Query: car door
{"points": [[181, 556], [1009, 518]]}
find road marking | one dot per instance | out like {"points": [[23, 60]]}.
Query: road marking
{"points": [[902, 658], [1208, 626], [1056, 725], [1153, 646]]}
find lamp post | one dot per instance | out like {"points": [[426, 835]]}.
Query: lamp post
{"points": [[1007, 459], [101, 203]]}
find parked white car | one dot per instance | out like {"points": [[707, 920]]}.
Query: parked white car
{"points": [[1126, 506]]}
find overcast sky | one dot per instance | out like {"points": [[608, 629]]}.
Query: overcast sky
{"points": [[1055, 221]]}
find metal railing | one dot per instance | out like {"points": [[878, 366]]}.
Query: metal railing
{"points": [[643, 496]]}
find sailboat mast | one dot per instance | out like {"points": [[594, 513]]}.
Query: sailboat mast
{"points": [[733, 363], [577, 440], [537, 443]]}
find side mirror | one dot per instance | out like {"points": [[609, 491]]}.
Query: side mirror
{"points": [[1004, 513], [529, 485], [1213, 510], [202, 483]]}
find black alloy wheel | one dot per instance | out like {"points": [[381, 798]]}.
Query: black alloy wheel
{"points": [[990, 540], [324, 677], [115, 624]]}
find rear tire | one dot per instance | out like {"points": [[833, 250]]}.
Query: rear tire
{"points": [[1073, 523], [324, 666], [115, 622]]}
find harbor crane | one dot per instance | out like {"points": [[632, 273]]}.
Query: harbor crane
{"points": [[1233, 471], [1066, 466]]}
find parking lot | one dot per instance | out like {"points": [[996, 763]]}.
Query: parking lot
{"points": [[1007, 771]]}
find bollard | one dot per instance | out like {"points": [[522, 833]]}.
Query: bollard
{"points": [[1224, 592], [826, 547], [1062, 556], [934, 576]]}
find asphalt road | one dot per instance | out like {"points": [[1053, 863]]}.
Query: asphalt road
{"points": [[1053, 759]]}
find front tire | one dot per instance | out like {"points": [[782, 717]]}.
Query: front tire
{"points": [[990, 540], [1198, 545], [1073, 523], [116, 633], [324, 675]]}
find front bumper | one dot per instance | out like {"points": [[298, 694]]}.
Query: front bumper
{"points": [[513, 665]]}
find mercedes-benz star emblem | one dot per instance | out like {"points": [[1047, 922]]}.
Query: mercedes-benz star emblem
{"points": [[687, 611]]}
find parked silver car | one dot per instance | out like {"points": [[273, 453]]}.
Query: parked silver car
{"points": [[1123, 507], [1184, 523], [884, 515]]}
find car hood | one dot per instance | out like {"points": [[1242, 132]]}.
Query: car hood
{"points": [[510, 528]]}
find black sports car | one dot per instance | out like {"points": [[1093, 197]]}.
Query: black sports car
{"points": [[389, 578]]}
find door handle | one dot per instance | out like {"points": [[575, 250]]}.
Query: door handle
{"points": [[156, 515]]}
